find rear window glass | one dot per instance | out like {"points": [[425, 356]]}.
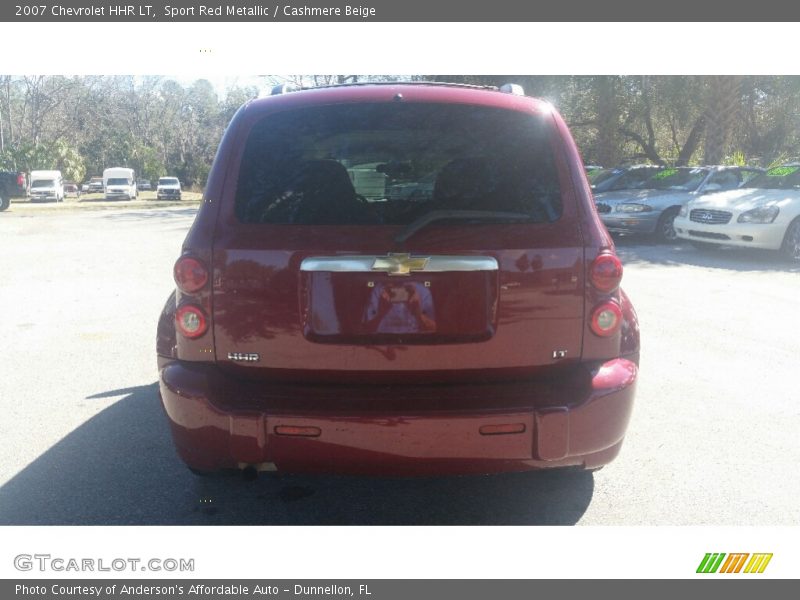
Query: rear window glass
{"points": [[393, 163]]}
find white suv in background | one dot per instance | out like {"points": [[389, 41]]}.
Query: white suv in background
{"points": [[169, 188]]}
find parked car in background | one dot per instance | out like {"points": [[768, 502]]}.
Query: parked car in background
{"points": [[95, 185], [763, 213], [623, 178], [144, 185], [13, 184], [47, 186], [320, 325], [71, 189], [169, 188], [652, 208], [119, 183]]}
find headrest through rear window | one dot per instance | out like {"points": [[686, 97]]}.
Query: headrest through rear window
{"points": [[467, 182]]}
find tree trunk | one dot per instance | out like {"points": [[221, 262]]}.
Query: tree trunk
{"points": [[722, 110], [607, 109], [692, 142]]}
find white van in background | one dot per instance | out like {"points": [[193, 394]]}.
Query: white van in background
{"points": [[119, 182], [47, 185]]}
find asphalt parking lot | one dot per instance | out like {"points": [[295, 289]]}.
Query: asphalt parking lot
{"points": [[713, 440]]}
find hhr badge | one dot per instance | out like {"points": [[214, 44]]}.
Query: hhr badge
{"points": [[244, 356]]}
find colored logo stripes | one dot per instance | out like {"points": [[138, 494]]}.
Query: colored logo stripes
{"points": [[734, 563]]}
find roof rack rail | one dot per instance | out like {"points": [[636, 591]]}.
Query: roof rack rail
{"points": [[512, 88], [285, 88]]}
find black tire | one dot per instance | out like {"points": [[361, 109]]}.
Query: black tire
{"points": [[790, 249], [665, 231], [704, 246], [5, 202]]}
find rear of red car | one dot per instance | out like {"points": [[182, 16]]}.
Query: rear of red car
{"points": [[397, 279]]}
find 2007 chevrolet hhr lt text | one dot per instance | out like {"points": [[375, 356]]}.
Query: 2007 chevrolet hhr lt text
{"points": [[397, 279]]}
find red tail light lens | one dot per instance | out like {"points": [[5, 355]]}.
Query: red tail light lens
{"points": [[190, 274], [606, 272], [191, 321], [21, 179], [606, 319]]}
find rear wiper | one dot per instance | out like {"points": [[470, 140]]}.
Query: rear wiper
{"points": [[467, 215]]}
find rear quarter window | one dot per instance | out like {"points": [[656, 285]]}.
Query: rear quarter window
{"points": [[390, 163]]}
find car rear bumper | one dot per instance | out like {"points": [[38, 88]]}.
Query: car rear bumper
{"points": [[745, 235], [584, 431]]}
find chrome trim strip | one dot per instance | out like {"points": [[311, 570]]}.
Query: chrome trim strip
{"points": [[363, 264]]}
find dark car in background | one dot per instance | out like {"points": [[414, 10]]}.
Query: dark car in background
{"points": [[71, 189], [13, 184], [95, 185], [323, 322]]}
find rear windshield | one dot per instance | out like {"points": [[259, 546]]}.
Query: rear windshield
{"points": [[167, 181], [777, 178], [118, 181], [43, 183], [393, 163]]}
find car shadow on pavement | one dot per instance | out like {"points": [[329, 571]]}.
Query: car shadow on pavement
{"points": [[120, 468], [157, 213], [645, 251]]}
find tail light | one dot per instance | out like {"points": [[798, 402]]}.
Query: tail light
{"points": [[191, 321], [606, 272], [21, 179], [606, 319], [190, 274]]}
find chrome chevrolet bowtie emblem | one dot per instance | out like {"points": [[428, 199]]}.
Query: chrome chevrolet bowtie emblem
{"points": [[400, 264]]}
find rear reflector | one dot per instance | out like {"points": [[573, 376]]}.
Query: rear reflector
{"points": [[502, 429], [606, 319], [190, 274], [191, 321], [606, 272], [298, 431]]}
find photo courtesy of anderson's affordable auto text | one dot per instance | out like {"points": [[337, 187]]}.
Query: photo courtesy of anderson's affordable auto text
{"points": [[237, 293]]}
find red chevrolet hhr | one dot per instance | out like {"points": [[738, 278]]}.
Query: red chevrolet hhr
{"points": [[397, 279]]}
